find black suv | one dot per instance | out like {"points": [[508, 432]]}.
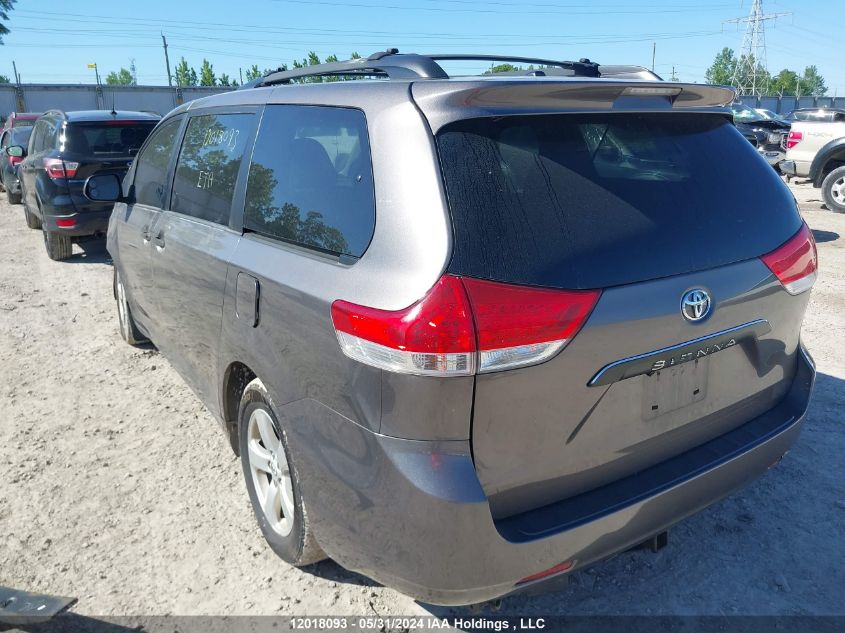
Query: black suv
{"points": [[64, 150]]}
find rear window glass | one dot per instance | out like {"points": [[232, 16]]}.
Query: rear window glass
{"points": [[591, 201], [107, 137], [311, 180], [23, 122]]}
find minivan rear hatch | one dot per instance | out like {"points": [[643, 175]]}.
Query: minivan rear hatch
{"points": [[644, 206]]}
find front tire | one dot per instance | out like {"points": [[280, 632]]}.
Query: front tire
{"points": [[58, 245], [833, 190], [129, 332], [272, 480]]}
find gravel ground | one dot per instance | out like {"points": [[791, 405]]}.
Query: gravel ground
{"points": [[116, 486]]}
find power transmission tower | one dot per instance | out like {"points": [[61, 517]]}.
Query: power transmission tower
{"points": [[750, 76]]}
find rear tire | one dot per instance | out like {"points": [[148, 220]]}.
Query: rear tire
{"points": [[59, 246], [13, 198], [32, 220], [833, 190], [272, 480], [129, 332]]}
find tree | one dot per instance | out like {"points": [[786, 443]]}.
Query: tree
{"points": [[786, 82], [502, 68], [224, 80], [5, 7], [722, 70], [812, 83], [5, 80], [185, 75], [252, 72], [207, 77], [120, 78]]}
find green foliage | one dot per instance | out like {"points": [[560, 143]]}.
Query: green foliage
{"points": [[120, 78], [813, 82], [207, 77], [185, 75], [224, 80], [786, 82], [502, 68], [5, 7], [722, 69], [252, 72], [5, 80]]}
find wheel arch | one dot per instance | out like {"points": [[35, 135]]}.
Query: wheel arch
{"points": [[828, 158], [235, 379]]}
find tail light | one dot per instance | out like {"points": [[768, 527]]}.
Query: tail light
{"points": [[793, 139], [463, 326], [796, 262], [15, 160], [58, 168]]}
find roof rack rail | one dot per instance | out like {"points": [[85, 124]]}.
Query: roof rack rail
{"points": [[393, 65]]}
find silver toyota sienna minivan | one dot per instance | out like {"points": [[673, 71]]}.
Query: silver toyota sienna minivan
{"points": [[470, 334]]}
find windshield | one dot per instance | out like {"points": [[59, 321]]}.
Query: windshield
{"points": [[744, 114], [598, 200], [818, 115], [123, 138]]}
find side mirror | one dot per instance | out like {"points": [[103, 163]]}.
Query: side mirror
{"points": [[103, 188], [16, 151]]}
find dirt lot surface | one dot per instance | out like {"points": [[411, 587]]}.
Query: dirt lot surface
{"points": [[117, 487]]}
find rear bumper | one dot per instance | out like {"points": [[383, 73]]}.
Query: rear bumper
{"points": [[795, 168], [88, 223], [412, 514]]}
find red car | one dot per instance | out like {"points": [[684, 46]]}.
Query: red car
{"points": [[21, 119]]}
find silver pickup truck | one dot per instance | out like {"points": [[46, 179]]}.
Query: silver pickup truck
{"points": [[816, 150]]}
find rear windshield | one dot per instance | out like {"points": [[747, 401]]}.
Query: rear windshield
{"points": [[591, 201], [123, 138]]}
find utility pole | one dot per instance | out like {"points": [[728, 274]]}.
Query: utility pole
{"points": [[750, 75], [167, 61], [653, 54], [21, 106], [241, 75]]}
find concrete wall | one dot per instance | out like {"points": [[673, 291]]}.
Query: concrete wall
{"points": [[785, 105], [41, 97]]}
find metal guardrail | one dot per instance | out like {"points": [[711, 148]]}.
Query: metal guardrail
{"points": [[42, 97]]}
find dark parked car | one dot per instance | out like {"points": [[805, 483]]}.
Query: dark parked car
{"points": [[470, 334], [766, 134], [66, 148], [9, 164]]}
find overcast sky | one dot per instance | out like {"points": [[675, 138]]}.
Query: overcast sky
{"points": [[53, 40]]}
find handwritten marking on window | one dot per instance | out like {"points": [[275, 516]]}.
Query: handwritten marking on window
{"points": [[227, 138], [205, 180]]}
